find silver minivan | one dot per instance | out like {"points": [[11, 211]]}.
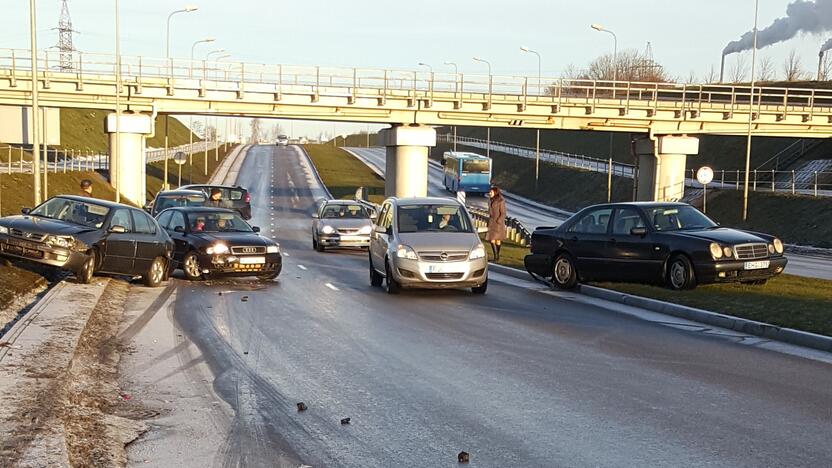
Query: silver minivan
{"points": [[426, 243]]}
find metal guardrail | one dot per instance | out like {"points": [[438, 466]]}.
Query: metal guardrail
{"points": [[158, 154], [59, 160], [522, 90], [515, 231]]}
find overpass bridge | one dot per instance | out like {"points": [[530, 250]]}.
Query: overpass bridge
{"points": [[669, 114]]}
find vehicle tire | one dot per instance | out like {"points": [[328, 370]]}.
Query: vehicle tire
{"points": [[481, 289], [375, 277], [85, 274], [391, 286], [314, 243], [564, 272], [319, 247], [155, 273], [190, 266], [680, 274]]}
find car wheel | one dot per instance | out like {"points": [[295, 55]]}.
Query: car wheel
{"points": [[85, 274], [314, 242], [564, 273], [680, 274], [481, 289], [190, 266], [156, 273], [390, 283], [319, 247], [375, 277]]}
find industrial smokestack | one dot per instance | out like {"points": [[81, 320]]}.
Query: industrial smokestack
{"points": [[820, 64], [802, 16], [722, 69]]}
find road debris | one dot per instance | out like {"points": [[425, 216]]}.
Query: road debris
{"points": [[345, 421], [301, 406], [463, 457]]}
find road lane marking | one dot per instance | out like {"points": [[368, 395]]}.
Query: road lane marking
{"points": [[302, 267], [330, 286]]}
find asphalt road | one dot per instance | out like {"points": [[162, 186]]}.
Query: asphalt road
{"points": [[520, 377], [533, 214]]}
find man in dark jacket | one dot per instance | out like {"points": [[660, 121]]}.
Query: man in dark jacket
{"points": [[86, 188], [216, 201]]}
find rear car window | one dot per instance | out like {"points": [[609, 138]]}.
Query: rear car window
{"points": [[235, 195]]}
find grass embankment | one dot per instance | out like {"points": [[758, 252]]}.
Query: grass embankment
{"points": [[193, 171], [342, 173], [16, 189]]}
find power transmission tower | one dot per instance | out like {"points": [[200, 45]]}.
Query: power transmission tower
{"points": [[65, 37]]}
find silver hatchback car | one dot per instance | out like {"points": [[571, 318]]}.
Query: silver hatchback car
{"points": [[426, 243], [341, 223]]}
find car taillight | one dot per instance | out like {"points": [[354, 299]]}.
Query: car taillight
{"points": [[248, 197]]}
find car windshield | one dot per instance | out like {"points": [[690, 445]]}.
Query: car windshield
{"points": [[432, 218], [678, 218], [72, 211], [212, 221], [345, 212], [170, 201]]}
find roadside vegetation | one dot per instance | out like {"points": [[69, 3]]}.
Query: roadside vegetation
{"points": [[343, 174], [193, 171]]}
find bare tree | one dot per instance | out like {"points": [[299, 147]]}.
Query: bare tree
{"points": [[210, 132], [628, 65], [739, 69], [766, 66], [255, 131], [793, 67], [711, 76], [691, 77]]}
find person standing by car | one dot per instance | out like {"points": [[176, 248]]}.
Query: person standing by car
{"points": [[496, 220], [86, 188], [216, 201]]}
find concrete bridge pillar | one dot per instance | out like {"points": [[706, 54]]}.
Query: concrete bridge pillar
{"points": [[407, 159], [661, 167], [127, 166]]}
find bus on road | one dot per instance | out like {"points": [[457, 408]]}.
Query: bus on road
{"points": [[468, 172]]}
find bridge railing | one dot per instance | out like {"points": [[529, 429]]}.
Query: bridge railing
{"points": [[16, 159], [364, 82]]}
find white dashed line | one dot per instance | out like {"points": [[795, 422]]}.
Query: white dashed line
{"points": [[330, 286], [302, 267]]}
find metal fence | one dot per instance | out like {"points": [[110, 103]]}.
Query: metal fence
{"points": [[159, 154], [515, 231], [58, 160]]}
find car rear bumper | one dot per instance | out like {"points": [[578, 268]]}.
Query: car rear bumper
{"points": [[734, 270], [336, 240], [41, 253], [539, 264], [420, 274]]}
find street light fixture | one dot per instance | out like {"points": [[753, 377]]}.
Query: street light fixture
{"points": [[35, 102], [215, 51], [207, 40], [456, 89], [537, 143], [600, 28], [423, 64], [188, 9], [490, 88]]}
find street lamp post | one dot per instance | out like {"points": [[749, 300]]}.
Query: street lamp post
{"points": [[537, 133], [35, 102], [193, 46], [600, 28], [750, 117], [117, 147], [490, 83], [456, 89], [187, 9], [191, 119]]}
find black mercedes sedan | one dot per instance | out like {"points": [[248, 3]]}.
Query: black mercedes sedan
{"points": [[650, 242], [218, 241], [89, 236]]}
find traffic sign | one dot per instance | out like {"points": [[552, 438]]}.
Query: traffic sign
{"points": [[705, 175], [180, 158]]}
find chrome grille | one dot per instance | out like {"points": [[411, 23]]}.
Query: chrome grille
{"points": [[348, 231], [751, 251], [32, 236], [247, 250], [444, 276], [443, 256]]}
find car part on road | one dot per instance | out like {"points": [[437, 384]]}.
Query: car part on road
{"points": [[463, 457], [345, 421], [301, 406]]}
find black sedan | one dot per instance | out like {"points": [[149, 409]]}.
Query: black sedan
{"points": [[87, 236], [218, 241], [666, 243]]}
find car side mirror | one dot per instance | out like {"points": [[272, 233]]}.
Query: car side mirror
{"points": [[638, 231], [255, 228], [118, 229], [26, 211], [180, 229], [315, 216]]}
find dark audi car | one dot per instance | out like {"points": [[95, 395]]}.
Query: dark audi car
{"points": [[218, 241], [231, 196], [650, 242], [87, 236]]}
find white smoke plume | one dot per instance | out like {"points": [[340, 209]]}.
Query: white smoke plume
{"points": [[826, 46], [802, 16]]}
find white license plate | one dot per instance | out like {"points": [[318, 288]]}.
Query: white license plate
{"points": [[252, 260], [757, 265], [440, 268]]}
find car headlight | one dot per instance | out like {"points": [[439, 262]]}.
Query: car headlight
{"points": [[477, 252], [217, 249], [405, 251], [60, 242], [778, 245], [365, 230], [4, 230], [327, 229], [716, 251], [273, 249], [728, 251]]}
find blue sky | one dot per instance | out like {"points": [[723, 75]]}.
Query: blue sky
{"points": [[685, 36]]}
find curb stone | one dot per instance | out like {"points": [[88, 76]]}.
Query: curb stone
{"points": [[751, 327]]}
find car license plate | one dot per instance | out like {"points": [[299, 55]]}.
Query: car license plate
{"points": [[757, 265], [440, 268], [252, 260]]}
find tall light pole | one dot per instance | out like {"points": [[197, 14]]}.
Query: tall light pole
{"points": [[35, 103], [537, 133], [117, 146], [456, 89], [187, 9], [750, 116], [193, 46], [600, 28], [429, 67], [487, 129], [191, 118]]}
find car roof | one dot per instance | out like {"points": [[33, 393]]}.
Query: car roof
{"points": [[642, 204], [95, 201], [466, 155], [342, 202], [201, 209], [186, 187], [424, 201], [181, 192]]}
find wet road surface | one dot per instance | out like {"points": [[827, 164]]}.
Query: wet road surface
{"points": [[519, 377]]}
